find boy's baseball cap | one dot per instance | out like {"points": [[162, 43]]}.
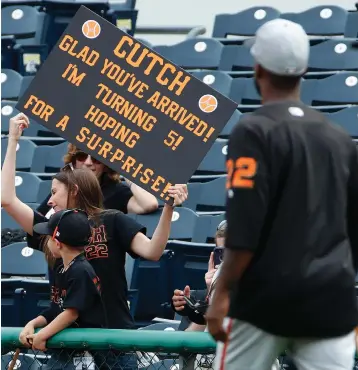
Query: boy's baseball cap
{"points": [[281, 47], [70, 227]]}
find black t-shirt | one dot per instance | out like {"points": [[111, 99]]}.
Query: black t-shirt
{"points": [[292, 200], [106, 252], [116, 195], [78, 287]]}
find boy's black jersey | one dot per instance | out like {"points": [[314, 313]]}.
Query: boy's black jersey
{"points": [[80, 288]]}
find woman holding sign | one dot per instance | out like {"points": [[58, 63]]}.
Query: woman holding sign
{"points": [[127, 199], [114, 234]]}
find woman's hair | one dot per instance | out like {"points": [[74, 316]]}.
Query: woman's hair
{"points": [[70, 157], [84, 184], [84, 192]]}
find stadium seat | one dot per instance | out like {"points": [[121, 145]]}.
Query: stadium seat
{"points": [[27, 187], [207, 196], [325, 20], [338, 89], [244, 23], [44, 190], [8, 111], [24, 22], [214, 161], [18, 259], [49, 158], [218, 80], [182, 227], [237, 58], [10, 84], [160, 326], [333, 54], [196, 53], [24, 156], [235, 118], [7, 222], [190, 263], [346, 118], [26, 80], [152, 279], [243, 91]]}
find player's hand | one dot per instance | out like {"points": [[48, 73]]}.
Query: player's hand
{"points": [[17, 125], [27, 330], [215, 316], [38, 342], [178, 300], [180, 194], [211, 271]]}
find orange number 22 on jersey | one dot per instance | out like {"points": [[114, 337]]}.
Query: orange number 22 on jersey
{"points": [[241, 172]]}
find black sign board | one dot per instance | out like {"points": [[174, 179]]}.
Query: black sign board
{"points": [[125, 105]]}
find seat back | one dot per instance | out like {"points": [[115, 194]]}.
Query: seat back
{"points": [[18, 259], [341, 88], [244, 23], [324, 20], [333, 54], [218, 80], [196, 53], [24, 156], [10, 84]]}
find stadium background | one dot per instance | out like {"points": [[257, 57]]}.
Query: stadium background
{"points": [[331, 86]]}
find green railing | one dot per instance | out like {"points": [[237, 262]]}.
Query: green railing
{"points": [[125, 340], [97, 349]]}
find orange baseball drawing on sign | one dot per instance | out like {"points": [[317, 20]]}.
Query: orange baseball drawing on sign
{"points": [[208, 103], [91, 29]]}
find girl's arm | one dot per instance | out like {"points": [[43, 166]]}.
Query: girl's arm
{"points": [[141, 202], [152, 249], [18, 210]]}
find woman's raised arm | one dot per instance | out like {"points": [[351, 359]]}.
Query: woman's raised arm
{"points": [[152, 249], [18, 210]]}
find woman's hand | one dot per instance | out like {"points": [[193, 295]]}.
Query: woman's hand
{"points": [[180, 194], [27, 330], [17, 125]]}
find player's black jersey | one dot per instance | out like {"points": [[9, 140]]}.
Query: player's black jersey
{"points": [[292, 198]]}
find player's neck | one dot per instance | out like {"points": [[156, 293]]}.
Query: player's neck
{"points": [[275, 95], [68, 256]]}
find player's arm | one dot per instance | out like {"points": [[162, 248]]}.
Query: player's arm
{"points": [[247, 202]]}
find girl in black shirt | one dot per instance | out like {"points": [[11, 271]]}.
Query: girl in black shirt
{"points": [[115, 234]]}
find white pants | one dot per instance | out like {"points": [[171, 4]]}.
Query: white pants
{"points": [[250, 348]]}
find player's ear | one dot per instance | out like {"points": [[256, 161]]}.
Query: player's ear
{"points": [[258, 71]]}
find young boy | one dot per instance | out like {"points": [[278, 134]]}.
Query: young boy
{"points": [[77, 297]]}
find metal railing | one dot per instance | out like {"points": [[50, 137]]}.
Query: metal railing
{"points": [[94, 349]]}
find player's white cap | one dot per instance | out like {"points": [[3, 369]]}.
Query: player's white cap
{"points": [[281, 47]]}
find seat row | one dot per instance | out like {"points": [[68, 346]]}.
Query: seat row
{"points": [[209, 53], [339, 88], [318, 20]]}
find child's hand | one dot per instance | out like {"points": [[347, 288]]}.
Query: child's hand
{"points": [[27, 330], [38, 342]]}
